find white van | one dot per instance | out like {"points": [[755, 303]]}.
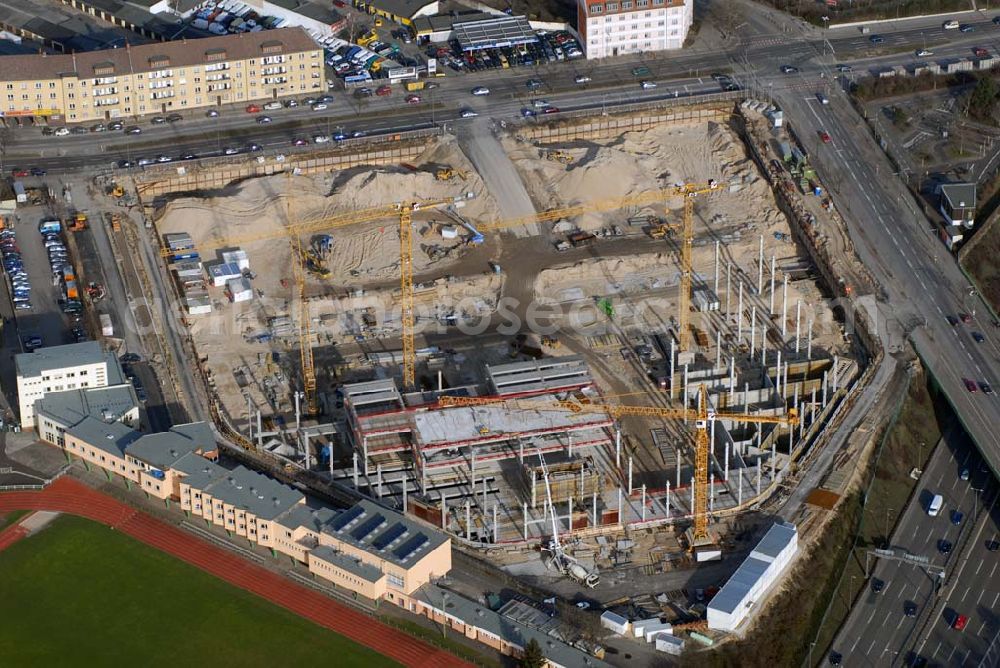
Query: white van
{"points": [[934, 507], [950, 25]]}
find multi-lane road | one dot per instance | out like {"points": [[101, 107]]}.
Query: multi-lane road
{"points": [[879, 632]]}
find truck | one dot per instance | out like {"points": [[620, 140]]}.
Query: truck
{"points": [[72, 294], [581, 239], [50, 226], [107, 329], [934, 507], [181, 257], [414, 85], [22, 195]]}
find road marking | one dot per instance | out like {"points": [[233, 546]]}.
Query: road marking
{"points": [[871, 647], [980, 567], [998, 595], [966, 593], [950, 654], [856, 640], [995, 598]]}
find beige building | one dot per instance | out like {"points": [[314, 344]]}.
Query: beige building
{"points": [[161, 78], [62, 368]]}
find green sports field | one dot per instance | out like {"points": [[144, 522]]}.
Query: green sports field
{"points": [[80, 594]]}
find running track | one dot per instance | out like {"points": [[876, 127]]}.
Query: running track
{"points": [[70, 496]]}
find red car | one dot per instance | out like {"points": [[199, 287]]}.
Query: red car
{"points": [[825, 136], [383, 90], [970, 385], [253, 109], [980, 52], [966, 318], [412, 99], [18, 172], [960, 622], [550, 110]]}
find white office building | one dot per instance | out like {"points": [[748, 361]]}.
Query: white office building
{"points": [[61, 368], [616, 27]]}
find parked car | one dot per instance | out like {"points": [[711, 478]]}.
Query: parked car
{"points": [[291, 103], [271, 106], [114, 126], [319, 106], [254, 109], [61, 132], [158, 120], [133, 130], [212, 113], [412, 98], [960, 622], [320, 139], [383, 90]]}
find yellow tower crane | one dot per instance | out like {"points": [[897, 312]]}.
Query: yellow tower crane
{"points": [[688, 192], [305, 331], [702, 416]]}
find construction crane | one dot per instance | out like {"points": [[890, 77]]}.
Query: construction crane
{"points": [[702, 417], [688, 192], [565, 563], [305, 334]]}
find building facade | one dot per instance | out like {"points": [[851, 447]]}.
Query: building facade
{"points": [[611, 28], [61, 368], [162, 78]]}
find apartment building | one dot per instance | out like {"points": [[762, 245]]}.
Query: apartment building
{"points": [[161, 78], [60, 368], [610, 28]]}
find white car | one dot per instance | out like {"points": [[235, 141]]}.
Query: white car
{"points": [[480, 90], [231, 150], [320, 139], [319, 106], [924, 52], [62, 132], [540, 104], [270, 106], [469, 113], [646, 85], [581, 78]]}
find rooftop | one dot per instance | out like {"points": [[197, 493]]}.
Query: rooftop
{"points": [[748, 576], [538, 375], [256, 493], [198, 471], [480, 616], [57, 357], [162, 450], [404, 8], [440, 22], [310, 10], [312, 518], [384, 533], [347, 563], [777, 538], [494, 32], [102, 403], [373, 392], [960, 195], [180, 53], [472, 423], [113, 437]]}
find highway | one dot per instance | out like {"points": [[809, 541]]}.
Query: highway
{"points": [[878, 632]]}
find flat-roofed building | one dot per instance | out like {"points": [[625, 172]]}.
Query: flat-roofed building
{"points": [[58, 411], [162, 77], [60, 368], [611, 28]]}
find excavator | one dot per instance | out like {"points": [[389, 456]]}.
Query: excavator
{"points": [[559, 156], [448, 173]]}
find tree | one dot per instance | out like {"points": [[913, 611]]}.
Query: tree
{"points": [[983, 99], [533, 657]]}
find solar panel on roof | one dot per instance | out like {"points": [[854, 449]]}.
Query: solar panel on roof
{"points": [[346, 517], [368, 526], [394, 532], [409, 547]]}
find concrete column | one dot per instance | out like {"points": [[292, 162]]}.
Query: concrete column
{"points": [[569, 444], [525, 507], [716, 269], [836, 361], [484, 494], [354, 460], [753, 331], [802, 421], [770, 310], [569, 513], [444, 512], [630, 475], [784, 308], [824, 389], [260, 431], [594, 502], [809, 341], [643, 510], [534, 491], [249, 417], [711, 493], [784, 378], [378, 473], [718, 349], [777, 376], [729, 285], [468, 520], [667, 499], [711, 437], [746, 398], [472, 473], [298, 412], [496, 525], [692, 495], [739, 488], [726, 463], [798, 324], [583, 482], [760, 267], [739, 316], [774, 460], [405, 485], [684, 398], [520, 451], [618, 448], [677, 452], [732, 379], [364, 447], [763, 346]]}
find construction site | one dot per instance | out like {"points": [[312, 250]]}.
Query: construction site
{"points": [[625, 371]]}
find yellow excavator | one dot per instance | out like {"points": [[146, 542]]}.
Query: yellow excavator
{"points": [[448, 173], [559, 156]]}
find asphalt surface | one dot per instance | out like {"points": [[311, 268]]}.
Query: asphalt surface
{"points": [[878, 632]]}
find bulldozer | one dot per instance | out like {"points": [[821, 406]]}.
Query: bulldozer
{"points": [[313, 263], [116, 190], [448, 173], [77, 223], [559, 156]]}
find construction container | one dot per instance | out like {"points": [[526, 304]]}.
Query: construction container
{"points": [[221, 273], [237, 257], [239, 290], [639, 627], [189, 270], [107, 328], [179, 241], [615, 623], [449, 232], [198, 305], [669, 644], [653, 630]]}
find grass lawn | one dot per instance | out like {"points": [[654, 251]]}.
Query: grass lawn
{"points": [[79, 593]]}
